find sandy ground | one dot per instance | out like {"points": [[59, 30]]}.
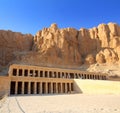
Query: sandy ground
{"points": [[74, 103]]}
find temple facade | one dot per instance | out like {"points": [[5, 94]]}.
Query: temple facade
{"points": [[26, 79]]}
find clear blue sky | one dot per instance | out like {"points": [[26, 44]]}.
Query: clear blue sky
{"points": [[30, 16]]}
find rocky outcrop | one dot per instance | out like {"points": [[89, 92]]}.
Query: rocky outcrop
{"points": [[66, 47], [57, 47], [73, 47], [12, 43]]}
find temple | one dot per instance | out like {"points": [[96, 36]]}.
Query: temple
{"points": [[26, 79]]}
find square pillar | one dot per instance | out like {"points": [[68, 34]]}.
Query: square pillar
{"points": [[33, 73], [51, 88], [61, 87], [68, 75], [46, 87], [48, 74], [16, 87], [28, 73], [17, 72], [100, 77], [78, 76], [70, 87], [29, 88], [22, 87], [60, 74], [38, 73], [35, 87], [74, 76], [40, 88], [56, 74], [53, 75], [56, 87], [66, 88], [23, 72], [43, 73], [65, 75]]}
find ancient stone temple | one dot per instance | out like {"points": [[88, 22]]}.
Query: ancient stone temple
{"points": [[43, 80]]}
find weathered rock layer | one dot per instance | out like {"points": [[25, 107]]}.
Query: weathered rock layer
{"points": [[62, 47], [11, 43]]}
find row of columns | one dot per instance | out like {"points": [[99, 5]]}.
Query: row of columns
{"points": [[52, 74], [40, 87]]}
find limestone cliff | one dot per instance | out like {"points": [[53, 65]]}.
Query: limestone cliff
{"points": [[12, 43], [66, 47], [71, 48]]}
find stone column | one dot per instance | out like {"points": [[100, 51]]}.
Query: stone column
{"points": [[56, 74], [69, 75], [23, 72], [74, 75], [96, 76], [41, 88], [53, 75], [48, 74], [61, 87], [23, 87], [17, 72], [38, 73], [87, 76], [100, 77], [28, 73], [60, 74], [29, 88], [43, 73], [46, 87], [56, 87], [65, 75], [51, 87], [35, 88], [70, 87], [91, 76], [78, 76], [66, 88], [33, 73], [16, 87]]}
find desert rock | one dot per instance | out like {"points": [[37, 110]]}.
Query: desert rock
{"points": [[66, 47], [12, 43]]}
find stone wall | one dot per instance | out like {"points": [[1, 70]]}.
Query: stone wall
{"points": [[4, 85]]}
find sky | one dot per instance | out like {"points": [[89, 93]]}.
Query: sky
{"points": [[30, 16]]}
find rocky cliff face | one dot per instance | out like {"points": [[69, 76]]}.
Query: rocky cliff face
{"points": [[64, 47], [11, 43], [70, 47]]}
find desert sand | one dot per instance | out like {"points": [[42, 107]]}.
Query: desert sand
{"points": [[73, 103]]}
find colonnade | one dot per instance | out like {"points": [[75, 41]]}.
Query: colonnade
{"points": [[26, 87], [44, 80], [57, 74]]}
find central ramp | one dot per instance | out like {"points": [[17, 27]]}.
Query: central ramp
{"points": [[96, 86]]}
